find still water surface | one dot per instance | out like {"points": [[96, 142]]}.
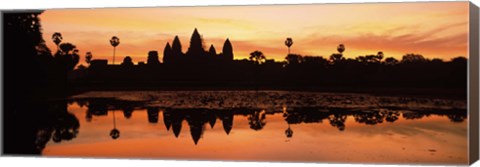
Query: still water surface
{"points": [[267, 126]]}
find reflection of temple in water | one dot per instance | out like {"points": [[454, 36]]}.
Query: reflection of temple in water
{"points": [[199, 119]]}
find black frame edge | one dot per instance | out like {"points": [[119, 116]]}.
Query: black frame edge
{"points": [[473, 98]]}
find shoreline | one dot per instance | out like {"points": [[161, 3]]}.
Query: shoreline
{"points": [[442, 93]]}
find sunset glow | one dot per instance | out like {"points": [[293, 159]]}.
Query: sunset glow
{"points": [[435, 30]]}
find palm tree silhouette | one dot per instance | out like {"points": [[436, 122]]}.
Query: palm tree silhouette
{"points": [[380, 55], [288, 43], [341, 48], [337, 57], [88, 57], [114, 42], [57, 39]]}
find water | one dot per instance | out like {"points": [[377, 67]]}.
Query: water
{"points": [[266, 126]]}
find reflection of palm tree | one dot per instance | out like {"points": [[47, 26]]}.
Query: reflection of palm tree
{"points": [[114, 133], [289, 132], [115, 41], [288, 43]]}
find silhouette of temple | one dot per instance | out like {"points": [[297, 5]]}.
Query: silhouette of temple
{"points": [[196, 51], [211, 68], [172, 54]]}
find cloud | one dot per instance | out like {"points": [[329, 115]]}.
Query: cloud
{"points": [[442, 42]]}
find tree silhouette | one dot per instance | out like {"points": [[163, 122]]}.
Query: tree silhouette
{"points": [[459, 60], [81, 67], [88, 57], [437, 61], [65, 128], [67, 58], [288, 43], [227, 50], [338, 121], [336, 57], [412, 115], [369, 117], [315, 61], [153, 58], [115, 41], [57, 39], [391, 61], [413, 58], [256, 120], [294, 59], [380, 56], [370, 59], [391, 116], [127, 61], [257, 57], [66, 48]]}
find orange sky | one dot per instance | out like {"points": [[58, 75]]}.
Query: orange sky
{"points": [[434, 29]]}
